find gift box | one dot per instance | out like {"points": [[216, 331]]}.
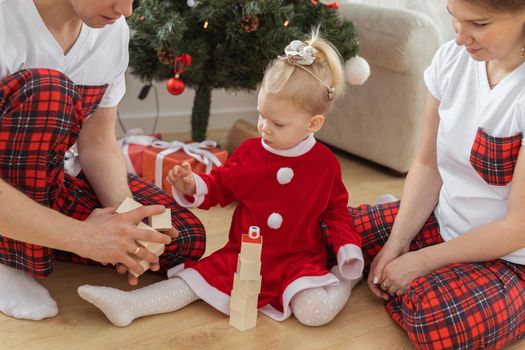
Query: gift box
{"points": [[162, 156], [240, 132], [133, 145]]}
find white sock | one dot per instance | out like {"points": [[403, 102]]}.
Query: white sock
{"points": [[21, 296], [385, 198], [318, 306], [122, 307]]}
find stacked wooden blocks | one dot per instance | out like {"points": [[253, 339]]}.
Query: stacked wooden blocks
{"points": [[157, 222], [247, 282]]}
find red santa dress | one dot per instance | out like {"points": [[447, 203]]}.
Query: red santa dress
{"points": [[287, 193]]}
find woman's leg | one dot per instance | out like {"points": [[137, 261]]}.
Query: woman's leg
{"points": [[40, 117], [464, 306], [122, 307], [374, 223]]}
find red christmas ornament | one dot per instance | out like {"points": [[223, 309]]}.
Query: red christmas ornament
{"points": [[329, 3], [175, 86]]}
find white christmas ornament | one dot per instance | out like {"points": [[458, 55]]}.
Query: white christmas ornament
{"points": [[275, 221], [284, 175], [357, 70], [191, 3]]}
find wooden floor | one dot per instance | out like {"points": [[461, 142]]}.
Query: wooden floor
{"points": [[363, 323]]}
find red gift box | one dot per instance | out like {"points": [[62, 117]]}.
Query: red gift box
{"points": [[160, 158], [133, 146]]}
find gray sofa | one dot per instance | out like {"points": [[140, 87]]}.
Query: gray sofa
{"points": [[381, 120]]}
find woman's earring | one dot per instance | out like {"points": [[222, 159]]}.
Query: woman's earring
{"points": [[523, 51]]}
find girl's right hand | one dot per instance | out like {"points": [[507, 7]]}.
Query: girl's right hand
{"points": [[392, 249], [181, 177]]}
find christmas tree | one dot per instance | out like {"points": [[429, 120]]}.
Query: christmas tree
{"points": [[230, 42]]}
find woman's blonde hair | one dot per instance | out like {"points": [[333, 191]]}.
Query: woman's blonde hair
{"points": [[311, 91]]}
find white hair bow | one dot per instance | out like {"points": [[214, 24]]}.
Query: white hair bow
{"points": [[300, 53]]}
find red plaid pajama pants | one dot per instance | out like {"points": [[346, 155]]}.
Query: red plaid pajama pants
{"points": [[41, 114], [460, 306]]}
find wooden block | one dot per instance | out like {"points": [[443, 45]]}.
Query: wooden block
{"points": [[248, 270], [161, 221], [251, 251], [243, 306], [243, 322], [239, 132], [246, 288], [146, 265], [128, 204], [155, 248], [247, 239]]}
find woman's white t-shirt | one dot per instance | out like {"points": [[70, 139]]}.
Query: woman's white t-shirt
{"points": [[98, 57], [474, 119]]}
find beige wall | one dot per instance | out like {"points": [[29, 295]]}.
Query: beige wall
{"points": [[175, 111]]}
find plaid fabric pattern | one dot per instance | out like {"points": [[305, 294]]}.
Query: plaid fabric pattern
{"points": [[460, 306], [40, 118], [91, 97], [494, 158], [375, 223], [41, 113]]}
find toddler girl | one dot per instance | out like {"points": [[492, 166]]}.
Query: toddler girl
{"points": [[286, 183]]}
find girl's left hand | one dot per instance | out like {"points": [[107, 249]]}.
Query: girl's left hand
{"points": [[400, 272]]}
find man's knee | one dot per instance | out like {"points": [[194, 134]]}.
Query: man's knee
{"points": [[46, 89]]}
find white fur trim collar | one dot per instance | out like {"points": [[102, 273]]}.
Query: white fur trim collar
{"points": [[295, 151]]}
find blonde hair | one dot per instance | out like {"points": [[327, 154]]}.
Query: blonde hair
{"points": [[290, 81]]}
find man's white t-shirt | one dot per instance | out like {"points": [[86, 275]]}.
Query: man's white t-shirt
{"points": [[98, 57], [468, 109]]}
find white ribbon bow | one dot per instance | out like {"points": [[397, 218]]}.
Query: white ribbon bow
{"points": [[300, 53], [134, 137], [195, 150]]}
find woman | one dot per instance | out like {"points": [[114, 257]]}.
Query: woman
{"points": [[62, 69], [449, 259]]}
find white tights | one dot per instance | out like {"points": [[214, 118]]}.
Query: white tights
{"points": [[318, 306], [122, 307], [312, 307]]}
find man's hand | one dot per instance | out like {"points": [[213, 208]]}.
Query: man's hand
{"points": [[112, 238]]}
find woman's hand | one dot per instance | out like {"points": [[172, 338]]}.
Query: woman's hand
{"points": [[400, 272], [390, 251], [112, 238], [181, 177]]}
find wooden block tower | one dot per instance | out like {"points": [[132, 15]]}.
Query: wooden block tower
{"points": [[247, 282], [159, 222]]}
